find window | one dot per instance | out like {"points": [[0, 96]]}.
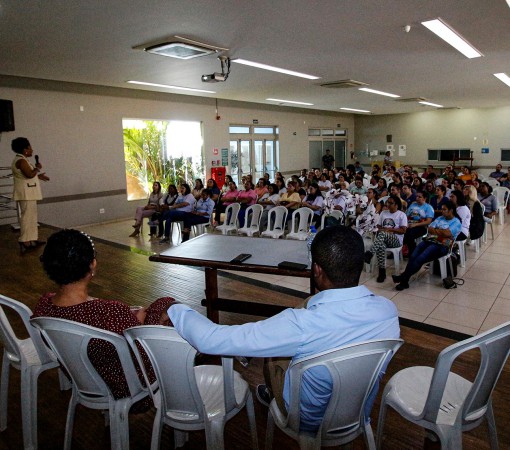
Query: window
{"points": [[449, 154], [254, 149], [505, 154], [170, 152]]}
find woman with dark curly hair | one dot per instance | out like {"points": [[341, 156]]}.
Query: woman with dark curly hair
{"points": [[69, 259]]}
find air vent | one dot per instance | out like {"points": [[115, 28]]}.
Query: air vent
{"points": [[344, 84], [179, 47], [413, 99]]}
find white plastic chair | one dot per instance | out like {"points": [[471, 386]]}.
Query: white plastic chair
{"points": [[300, 224], [230, 224], [502, 194], [191, 397], [442, 263], [252, 216], [462, 252], [31, 357], [444, 402], [492, 181], [354, 370], [69, 341], [397, 257], [336, 214], [488, 221], [276, 222]]}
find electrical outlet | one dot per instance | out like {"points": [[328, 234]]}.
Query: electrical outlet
{"points": [[101, 211]]}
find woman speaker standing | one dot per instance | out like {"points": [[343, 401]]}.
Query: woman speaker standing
{"points": [[26, 192]]}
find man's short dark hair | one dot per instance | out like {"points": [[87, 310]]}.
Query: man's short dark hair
{"points": [[338, 250]]}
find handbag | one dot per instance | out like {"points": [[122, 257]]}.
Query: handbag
{"points": [[452, 283]]}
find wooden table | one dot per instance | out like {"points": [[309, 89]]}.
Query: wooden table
{"points": [[214, 252]]}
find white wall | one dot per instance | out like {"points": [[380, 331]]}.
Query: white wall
{"points": [[82, 151], [469, 128]]}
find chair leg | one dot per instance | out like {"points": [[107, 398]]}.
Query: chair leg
{"points": [[157, 428], [380, 423], [491, 423], [251, 419], [269, 430], [70, 421], [462, 251], [180, 438], [214, 434], [369, 437], [28, 408], [4, 391], [65, 383]]}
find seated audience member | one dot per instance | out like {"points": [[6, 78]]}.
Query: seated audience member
{"points": [[201, 213], [368, 218], [382, 188], [441, 234], [466, 174], [488, 200], [428, 171], [147, 210], [261, 188], [391, 228], [268, 201], [444, 182], [419, 216], [324, 184], [429, 190], [357, 187], [497, 173], [462, 213], [266, 178], [175, 213], [477, 223], [418, 185], [215, 190], [314, 201], [281, 185], [407, 194], [328, 320], [396, 190], [376, 170], [197, 190], [225, 187], [245, 198], [341, 179], [396, 180], [166, 201], [303, 176], [438, 201], [504, 180], [358, 167], [290, 199], [69, 259], [226, 199], [458, 184]]}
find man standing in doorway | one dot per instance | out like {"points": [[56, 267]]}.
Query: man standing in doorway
{"points": [[328, 161]]}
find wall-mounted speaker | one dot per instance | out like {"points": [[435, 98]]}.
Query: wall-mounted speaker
{"points": [[389, 138], [6, 116]]}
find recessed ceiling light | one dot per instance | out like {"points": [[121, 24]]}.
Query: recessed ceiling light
{"points": [[503, 76], [431, 104], [274, 69], [167, 86], [373, 91], [179, 47], [448, 34], [355, 110], [288, 101]]}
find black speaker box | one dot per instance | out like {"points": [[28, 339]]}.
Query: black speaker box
{"points": [[389, 138], [6, 116]]}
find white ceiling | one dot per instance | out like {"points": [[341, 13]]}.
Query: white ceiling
{"points": [[92, 42]]}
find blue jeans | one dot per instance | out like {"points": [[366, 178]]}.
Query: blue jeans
{"points": [[425, 252], [172, 215]]}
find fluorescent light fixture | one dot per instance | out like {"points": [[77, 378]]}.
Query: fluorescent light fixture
{"points": [[274, 69], [373, 91], [431, 104], [448, 34], [355, 110], [503, 76], [167, 86], [288, 101]]}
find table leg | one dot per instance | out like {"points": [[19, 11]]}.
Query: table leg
{"points": [[211, 293]]}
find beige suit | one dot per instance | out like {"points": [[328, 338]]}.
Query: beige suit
{"points": [[26, 192]]}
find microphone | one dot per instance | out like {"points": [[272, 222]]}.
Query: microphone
{"points": [[37, 159]]}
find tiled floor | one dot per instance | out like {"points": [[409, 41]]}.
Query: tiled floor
{"points": [[480, 304]]}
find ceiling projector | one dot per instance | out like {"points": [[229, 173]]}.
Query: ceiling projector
{"points": [[214, 77]]}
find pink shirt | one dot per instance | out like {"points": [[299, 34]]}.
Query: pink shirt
{"points": [[251, 195], [230, 197]]}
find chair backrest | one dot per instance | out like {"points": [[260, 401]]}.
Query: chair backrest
{"points": [[231, 213], [277, 218], [252, 218], [301, 220], [492, 181], [336, 214], [494, 347], [354, 370], [9, 338], [69, 341], [383, 199], [502, 194], [172, 359]]}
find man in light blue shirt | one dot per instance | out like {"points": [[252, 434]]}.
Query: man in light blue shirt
{"points": [[341, 313]]}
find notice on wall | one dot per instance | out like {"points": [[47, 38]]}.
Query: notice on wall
{"points": [[389, 148], [224, 156], [402, 150]]}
